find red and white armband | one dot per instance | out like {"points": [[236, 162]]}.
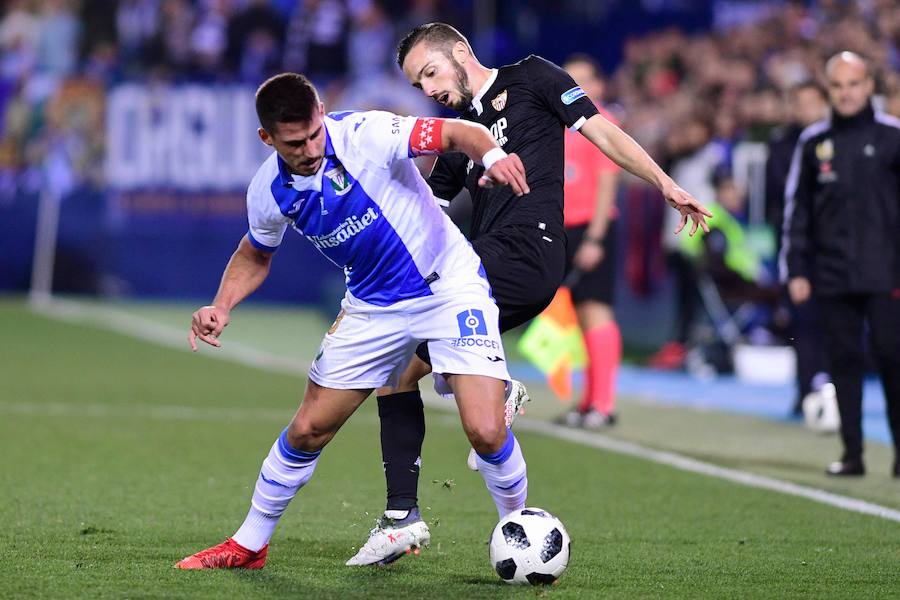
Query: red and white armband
{"points": [[426, 137]]}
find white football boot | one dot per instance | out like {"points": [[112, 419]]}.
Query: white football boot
{"points": [[516, 397], [392, 539]]}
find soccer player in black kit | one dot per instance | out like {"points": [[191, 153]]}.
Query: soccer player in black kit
{"points": [[520, 239]]}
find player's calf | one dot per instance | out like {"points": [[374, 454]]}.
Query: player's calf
{"points": [[505, 475]]}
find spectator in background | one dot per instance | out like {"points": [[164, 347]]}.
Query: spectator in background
{"points": [[18, 40], [98, 22], [56, 50], [731, 263], [806, 104], [316, 40], [170, 47], [695, 161], [371, 40], [137, 23], [591, 183], [209, 38], [842, 244], [255, 41]]}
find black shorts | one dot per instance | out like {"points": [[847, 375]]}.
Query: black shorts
{"points": [[600, 284], [525, 266]]}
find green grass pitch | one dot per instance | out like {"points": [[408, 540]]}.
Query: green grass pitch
{"points": [[120, 457]]}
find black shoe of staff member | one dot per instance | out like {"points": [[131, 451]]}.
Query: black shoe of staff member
{"points": [[849, 468]]}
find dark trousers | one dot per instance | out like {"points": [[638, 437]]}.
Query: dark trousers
{"points": [[843, 319], [807, 339]]}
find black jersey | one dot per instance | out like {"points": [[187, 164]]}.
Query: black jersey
{"points": [[525, 107]]}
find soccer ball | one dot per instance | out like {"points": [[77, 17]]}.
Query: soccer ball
{"points": [[820, 410], [529, 546]]}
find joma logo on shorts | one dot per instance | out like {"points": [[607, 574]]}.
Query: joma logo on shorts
{"points": [[347, 229]]}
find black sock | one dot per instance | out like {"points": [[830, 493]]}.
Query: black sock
{"points": [[402, 433]]}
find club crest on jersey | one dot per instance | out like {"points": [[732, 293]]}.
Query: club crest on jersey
{"points": [[499, 103], [471, 322], [339, 180], [570, 96], [825, 150]]}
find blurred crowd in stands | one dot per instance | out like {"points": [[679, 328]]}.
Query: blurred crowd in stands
{"points": [[60, 55], [693, 100]]}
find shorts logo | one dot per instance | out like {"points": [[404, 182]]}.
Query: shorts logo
{"points": [[570, 96], [471, 322]]}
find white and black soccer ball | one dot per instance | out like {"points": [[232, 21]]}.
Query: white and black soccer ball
{"points": [[820, 410], [529, 546]]}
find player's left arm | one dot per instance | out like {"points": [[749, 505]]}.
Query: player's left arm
{"points": [[384, 137], [629, 155]]}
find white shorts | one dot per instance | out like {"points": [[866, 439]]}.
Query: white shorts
{"points": [[370, 346]]}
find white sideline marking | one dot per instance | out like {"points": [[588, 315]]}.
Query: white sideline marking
{"points": [[165, 335], [168, 412], [124, 323]]}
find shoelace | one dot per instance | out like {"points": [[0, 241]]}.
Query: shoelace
{"points": [[216, 557]]}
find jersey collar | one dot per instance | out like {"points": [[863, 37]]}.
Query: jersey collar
{"points": [[329, 147], [476, 101]]}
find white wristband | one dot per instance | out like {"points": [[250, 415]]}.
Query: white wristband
{"points": [[492, 156]]}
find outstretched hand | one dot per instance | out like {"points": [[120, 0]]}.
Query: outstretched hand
{"points": [[207, 324], [689, 207], [506, 171]]}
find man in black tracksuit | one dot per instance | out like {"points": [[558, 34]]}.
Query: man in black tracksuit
{"points": [[842, 243]]}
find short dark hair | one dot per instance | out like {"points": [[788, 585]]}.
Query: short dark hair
{"points": [[586, 59], [435, 34], [809, 84], [285, 98]]}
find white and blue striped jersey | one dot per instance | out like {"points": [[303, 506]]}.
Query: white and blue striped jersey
{"points": [[367, 209]]}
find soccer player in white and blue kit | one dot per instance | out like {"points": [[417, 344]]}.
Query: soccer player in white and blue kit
{"points": [[345, 182]]}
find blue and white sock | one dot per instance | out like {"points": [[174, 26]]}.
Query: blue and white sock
{"points": [[505, 475], [284, 471]]}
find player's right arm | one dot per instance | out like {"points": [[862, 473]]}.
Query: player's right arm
{"points": [[249, 265], [247, 269], [384, 137]]}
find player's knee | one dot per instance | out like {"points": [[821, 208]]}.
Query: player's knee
{"points": [[487, 437], [306, 436]]}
